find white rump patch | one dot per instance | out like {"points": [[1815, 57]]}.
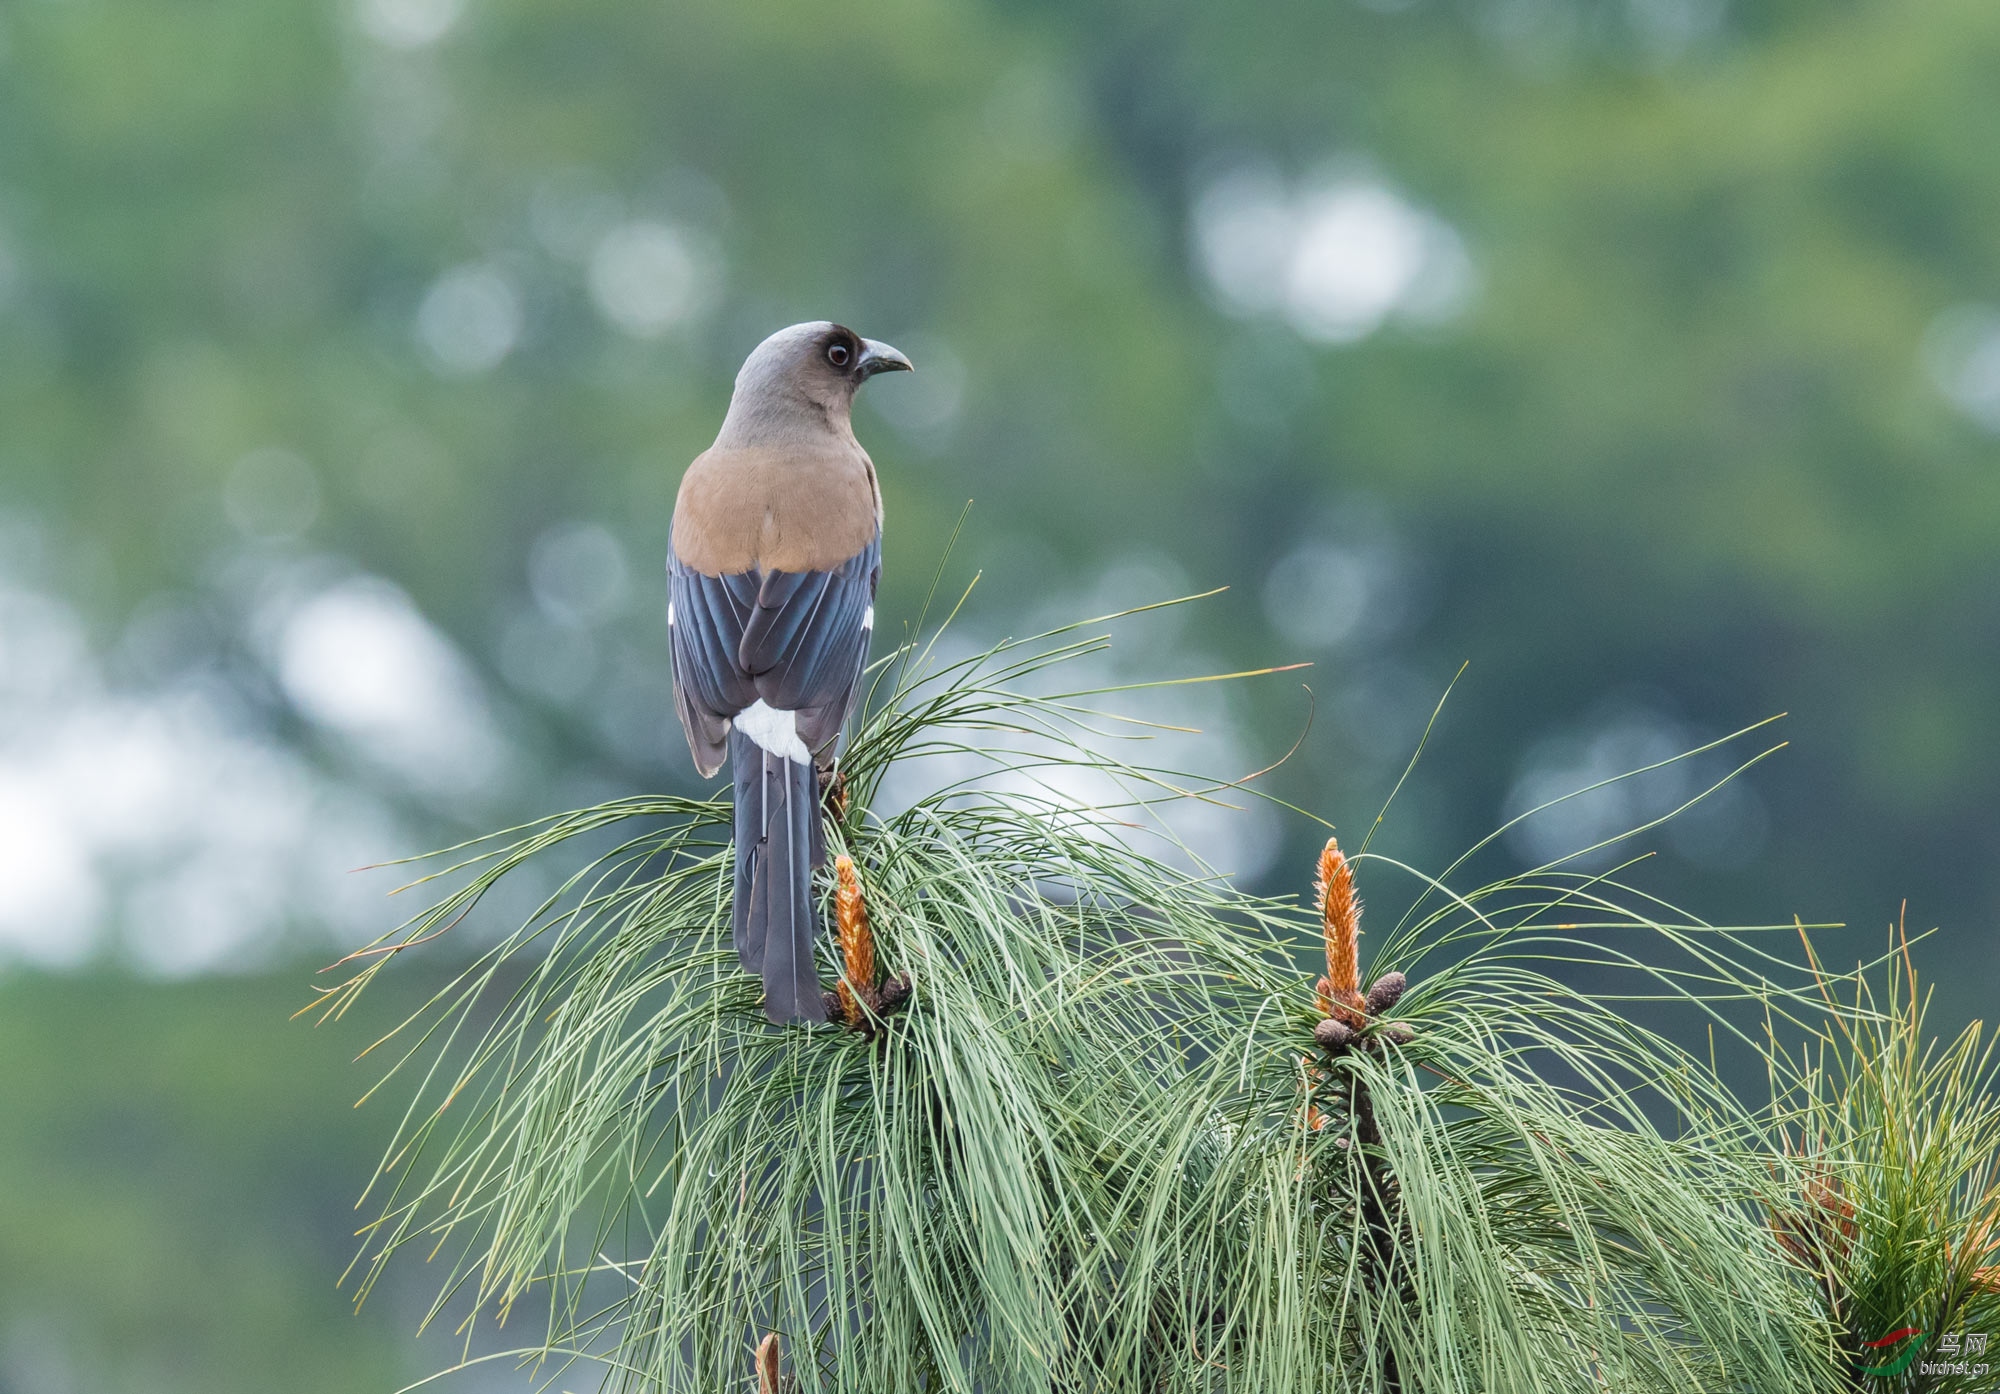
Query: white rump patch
{"points": [[867, 620], [773, 730]]}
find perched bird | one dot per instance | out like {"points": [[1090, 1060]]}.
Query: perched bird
{"points": [[777, 548]]}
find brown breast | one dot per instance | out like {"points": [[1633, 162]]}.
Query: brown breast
{"points": [[782, 509]]}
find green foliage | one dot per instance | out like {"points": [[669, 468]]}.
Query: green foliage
{"points": [[1098, 1149], [1537, 1236], [177, 1167], [1895, 1213]]}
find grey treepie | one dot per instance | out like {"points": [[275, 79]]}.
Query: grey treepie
{"points": [[776, 552]]}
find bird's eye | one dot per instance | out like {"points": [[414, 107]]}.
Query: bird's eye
{"points": [[838, 355]]}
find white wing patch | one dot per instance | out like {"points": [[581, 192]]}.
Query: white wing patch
{"points": [[773, 730], [867, 620]]}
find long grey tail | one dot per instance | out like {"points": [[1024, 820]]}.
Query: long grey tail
{"points": [[778, 843]]}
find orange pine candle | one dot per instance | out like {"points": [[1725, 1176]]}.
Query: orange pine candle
{"points": [[1340, 920]]}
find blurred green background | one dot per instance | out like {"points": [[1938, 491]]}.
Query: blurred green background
{"points": [[1643, 353]]}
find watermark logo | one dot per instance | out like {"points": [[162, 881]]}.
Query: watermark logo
{"points": [[1960, 1351], [1901, 1362]]}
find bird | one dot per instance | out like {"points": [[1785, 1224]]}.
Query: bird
{"points": [[774, 557]]}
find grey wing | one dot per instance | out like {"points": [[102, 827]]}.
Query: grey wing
{"points": [[806, 640], [797, 640], [705, 617]]}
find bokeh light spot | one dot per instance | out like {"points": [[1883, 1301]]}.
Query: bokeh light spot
{"points": [[645, 278], [408, 23], [469, 320], [1961, 355], [578, 574], [360, 659], [1336, 257]]}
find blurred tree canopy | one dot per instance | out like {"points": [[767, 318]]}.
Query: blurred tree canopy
{"points": [[1706, 435]]}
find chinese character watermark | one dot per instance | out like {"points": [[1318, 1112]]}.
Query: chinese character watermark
{"points": [[1959, 1350]]}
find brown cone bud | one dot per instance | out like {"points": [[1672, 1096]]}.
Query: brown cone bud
{"points": [[768, 1356], [1333, 1035], [1386, 993]]}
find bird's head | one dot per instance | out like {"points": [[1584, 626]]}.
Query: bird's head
{"points": [[804, 378]]}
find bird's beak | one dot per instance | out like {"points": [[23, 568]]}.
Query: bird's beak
{"points": [[878, 357]]}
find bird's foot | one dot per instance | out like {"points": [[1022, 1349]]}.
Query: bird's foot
{"points": [[870, 1005]]}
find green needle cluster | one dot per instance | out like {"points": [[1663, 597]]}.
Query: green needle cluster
{"points": [[1098, 1147]]}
